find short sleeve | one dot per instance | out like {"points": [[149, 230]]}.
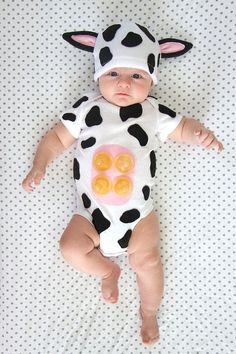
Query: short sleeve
{"points": [[167, 121], [73, 117]]}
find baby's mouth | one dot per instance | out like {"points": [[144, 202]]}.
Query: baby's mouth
{"points": [[122, 94]]}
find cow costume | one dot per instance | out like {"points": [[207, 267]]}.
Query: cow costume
{"points": [[115, 164]]}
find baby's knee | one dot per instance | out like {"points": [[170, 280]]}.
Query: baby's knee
{"points": [[65, 246], [142, 261], [72, 246]]}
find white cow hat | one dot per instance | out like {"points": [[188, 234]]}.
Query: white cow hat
{"points": [[127, 45]]}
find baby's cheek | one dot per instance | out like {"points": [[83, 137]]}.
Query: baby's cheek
{"points": [[112, 174]]}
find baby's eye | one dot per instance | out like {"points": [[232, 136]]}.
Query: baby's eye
{"points": [[136, 76], [113, 73]]}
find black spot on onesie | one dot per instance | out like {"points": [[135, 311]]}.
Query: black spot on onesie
{"points": [[99, 221], [130, 216], [124, 241], [93, 117], [69, 116], [132, 111], [76, 169]]}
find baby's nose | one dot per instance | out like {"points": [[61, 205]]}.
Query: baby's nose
{"points": [[124, 81]]}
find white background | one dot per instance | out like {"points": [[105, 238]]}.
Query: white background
{"points": [[46, 306]]}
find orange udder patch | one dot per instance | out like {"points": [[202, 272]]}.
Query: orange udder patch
{"points": [[112, 174]]}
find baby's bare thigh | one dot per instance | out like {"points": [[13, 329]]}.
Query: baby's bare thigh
{"points": [[80, 228], [146, 234]]}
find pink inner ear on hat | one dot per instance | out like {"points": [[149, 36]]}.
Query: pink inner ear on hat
{"points": [[84, 39], [171, 47]]}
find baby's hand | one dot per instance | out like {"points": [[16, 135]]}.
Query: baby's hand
{"points": [[207, 139], [34, 177]]}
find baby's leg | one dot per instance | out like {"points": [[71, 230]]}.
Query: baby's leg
{"points": [[78, 247], [145, 260]]}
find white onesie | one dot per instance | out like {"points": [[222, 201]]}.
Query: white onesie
{"points": [[115, 164]]}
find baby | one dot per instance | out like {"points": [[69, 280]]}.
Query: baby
{"points": [[114, 165]]}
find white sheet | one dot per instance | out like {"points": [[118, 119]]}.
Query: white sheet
{"points": [[48, 307]]}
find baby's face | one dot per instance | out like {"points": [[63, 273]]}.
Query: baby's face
{"points": [[125, 86]]}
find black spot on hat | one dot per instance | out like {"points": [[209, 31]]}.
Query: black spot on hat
{"points": [[132, 40], [151, 62], [99, 221], [93, 117], [132, 111], [138, 132], [146, 192], [124, 241], [105, 56], [86, 201], [76, 169], [166, 110], [110, 32], [130, 216], [152, 163], [88, 143], [148, 34], [80, 101], [69, 116]]}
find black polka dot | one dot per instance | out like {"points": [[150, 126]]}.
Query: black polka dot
{"points": [[93, 117], [105, 56], [151, 62], [110, 32], [88, 143], [80, 101], [132, 40], [130, 216], [124, 241], [99, 221], [148, 34], [69, 116], [132, 111], [86, 201], [76, 169], [138, 132], [152, 163], [166, 110], [146, 192]]}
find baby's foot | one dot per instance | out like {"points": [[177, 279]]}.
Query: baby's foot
{"points": [[149, 328], [110, 285]]}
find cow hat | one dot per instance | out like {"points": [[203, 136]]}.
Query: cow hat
{"points": [[126, 45]]}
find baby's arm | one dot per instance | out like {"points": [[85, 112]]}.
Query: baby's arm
{"points": [[190, 131], [52, 145]]}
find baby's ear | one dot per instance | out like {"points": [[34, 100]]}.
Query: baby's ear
{"points": [[83, 40], [171, 47]]}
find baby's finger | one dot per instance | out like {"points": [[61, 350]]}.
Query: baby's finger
{"points": [[220, 146], [215, 144], [27, 184], [208, 140], [201, 135]]}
